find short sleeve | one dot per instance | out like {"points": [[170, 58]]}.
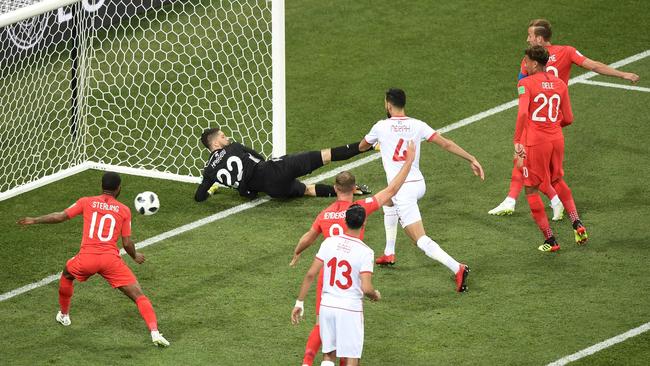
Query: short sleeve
{"points": [[316, 225], [427, 133], [373, 136], [322, 251], [367, 265], [576, 57], [521, 88], [126, 223], [76, 209], [370, 204]]}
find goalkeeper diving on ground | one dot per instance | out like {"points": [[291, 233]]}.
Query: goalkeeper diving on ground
{"points": [[237, 166]]}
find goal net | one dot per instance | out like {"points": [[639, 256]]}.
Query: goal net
{"points": [[130, 85]]}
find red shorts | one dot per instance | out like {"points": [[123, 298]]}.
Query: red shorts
{"points": [[543, 163], [319, 290], [109, 266]]}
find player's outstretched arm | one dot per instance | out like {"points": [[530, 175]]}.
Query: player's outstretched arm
{"points": [[299, 310], [393, 187], [451, 147], [53, 218], [129, 247], [601, 68], [202, 191], [367, 287], [305, 242]]}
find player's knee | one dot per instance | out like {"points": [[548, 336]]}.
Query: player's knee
{"points": [[133, 291], [67, 274]]}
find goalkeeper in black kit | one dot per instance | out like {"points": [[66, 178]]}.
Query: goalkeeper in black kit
{"points": [[237, 166]]}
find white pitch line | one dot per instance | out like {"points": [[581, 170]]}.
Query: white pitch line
{"points": [[619, 86], [328, 174], [602, 345]]}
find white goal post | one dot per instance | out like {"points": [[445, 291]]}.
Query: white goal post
{"points": [[129, 85]]}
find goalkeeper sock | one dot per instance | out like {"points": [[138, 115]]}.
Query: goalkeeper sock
{"points": [[390, 225], [324, 190], [345, 152], [433, 250], [313, 344], [66, 289]]}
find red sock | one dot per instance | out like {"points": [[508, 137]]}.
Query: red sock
{"points": [[66, 289], [539, 215], [564, 192], [548, 190], [516, 183], [313, 344], [147, 313]]}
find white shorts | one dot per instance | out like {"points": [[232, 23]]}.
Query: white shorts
{"points": [[341, 331], [406, 202]]}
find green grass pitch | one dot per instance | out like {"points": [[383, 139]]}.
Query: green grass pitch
{"points": [[223, 292]]}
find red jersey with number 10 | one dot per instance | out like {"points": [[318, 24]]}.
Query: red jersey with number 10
{"points": [[544, 108], [105, 220], [559, 61], [331, 221]]}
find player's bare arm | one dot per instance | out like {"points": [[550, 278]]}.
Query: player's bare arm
{"points": [[367, 287], [52, 218], [129, 247], [393, 187], [364, 145], [452, 147], [298, 310], [601, 68], [305, 242]]}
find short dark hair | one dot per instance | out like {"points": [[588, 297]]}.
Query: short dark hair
{"points": [[541, 27], [396, 97], [537, 53], [345, 181], [111, 181], [206, 136], [355, 216]]}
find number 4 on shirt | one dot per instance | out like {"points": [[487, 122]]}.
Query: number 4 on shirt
{"points": [[400, 151]]}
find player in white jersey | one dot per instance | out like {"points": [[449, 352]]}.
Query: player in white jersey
{"points": [[347, 277], [391, 134]]}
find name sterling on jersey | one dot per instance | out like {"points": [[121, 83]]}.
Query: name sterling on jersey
{"points": [[105, 206]]}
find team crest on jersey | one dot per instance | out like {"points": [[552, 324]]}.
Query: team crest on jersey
{"points": [[521, 90]]}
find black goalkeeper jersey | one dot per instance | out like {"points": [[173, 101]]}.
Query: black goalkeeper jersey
{"points": [[233, 166]]}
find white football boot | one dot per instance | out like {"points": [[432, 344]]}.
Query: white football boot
{"points": [[158, 339], [507, 207], [64, 319]]}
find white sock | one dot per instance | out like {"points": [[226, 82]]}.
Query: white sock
{"points": [[390, 225], [154, 333], [433, 250], [327, 363], [510, 201], [555, 200]]}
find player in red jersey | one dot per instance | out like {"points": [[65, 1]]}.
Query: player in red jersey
{"points": [[544, 108], [561, 58], [105, 220], [331, 222]]}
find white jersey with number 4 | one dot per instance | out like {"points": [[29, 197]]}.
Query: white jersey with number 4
{"points": [[393, 135], [344, 259]]}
